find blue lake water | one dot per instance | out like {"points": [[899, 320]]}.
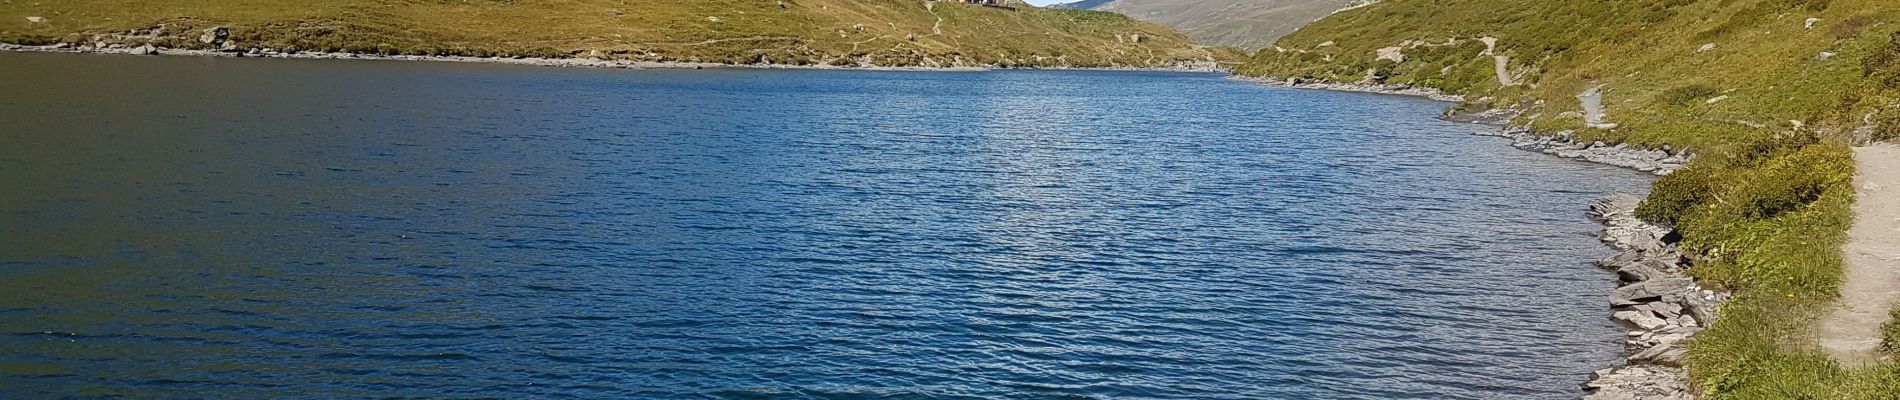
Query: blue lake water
{"points": [[189, 227]]}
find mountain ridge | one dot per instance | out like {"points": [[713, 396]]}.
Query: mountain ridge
{"points": [[788, 32]]}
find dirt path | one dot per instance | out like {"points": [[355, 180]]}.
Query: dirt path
{"points": [[1503, 65], [1851, 334]]}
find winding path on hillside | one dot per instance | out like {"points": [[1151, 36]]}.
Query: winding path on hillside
{"points": [[1851, 334]]}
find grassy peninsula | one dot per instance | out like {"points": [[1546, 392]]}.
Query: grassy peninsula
{"points": [[790, 32], [1768, 94]]}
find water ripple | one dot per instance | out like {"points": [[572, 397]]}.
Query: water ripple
{"points": [[423, 230]]}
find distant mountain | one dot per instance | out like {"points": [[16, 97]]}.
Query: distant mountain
{"points": [[1247, 24]]}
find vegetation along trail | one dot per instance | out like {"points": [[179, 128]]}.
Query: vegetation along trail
{"points": [[1851, 334]]}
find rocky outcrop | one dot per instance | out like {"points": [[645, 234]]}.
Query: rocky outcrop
{"points": [[1662, 306], [1395, 54]]}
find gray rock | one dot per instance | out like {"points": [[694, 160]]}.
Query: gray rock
{"points": [[1646, 243], [1663, 354], [215, 35], [1639, 293], [1641, 318], [145, 50], [1637, 272], [1645, 382], [1701, 308], [1666, 310]]}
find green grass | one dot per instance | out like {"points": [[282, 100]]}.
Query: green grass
{"points": [[1764, 208], [886, 32]]}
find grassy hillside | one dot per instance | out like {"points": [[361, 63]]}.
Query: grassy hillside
{"points": [[844, 32], [1766, 99], [1247, 24]]}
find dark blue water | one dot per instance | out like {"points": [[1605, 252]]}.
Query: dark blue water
{"points": [[181, 227]]}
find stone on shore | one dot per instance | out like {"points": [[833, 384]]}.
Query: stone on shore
{"points": [[1639, 293], [1665, 306], [1640, 271], [1644, 382], [215, 35], [1640, 318]]}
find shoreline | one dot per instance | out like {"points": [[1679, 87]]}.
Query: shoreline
{"points": [[568, 62], [1658, 302], [1658, 161], [1661, 307], [1562, 144], [1398, 90]]}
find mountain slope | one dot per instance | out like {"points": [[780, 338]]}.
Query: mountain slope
{"points": [[881, 32], [1766, 93], [1247, 24]]}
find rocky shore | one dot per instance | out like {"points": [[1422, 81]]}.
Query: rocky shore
{"points": [[1400, 90], [570, 62], [1660, 161], [1662, 307], [1660, 304]]}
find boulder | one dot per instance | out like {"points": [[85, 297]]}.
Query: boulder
{"points": [[1646, 243], [1664, 354], [1646, 291], [145, 50], [1641, 318], [1638, 272], [1665, 310], [214, 35]]}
